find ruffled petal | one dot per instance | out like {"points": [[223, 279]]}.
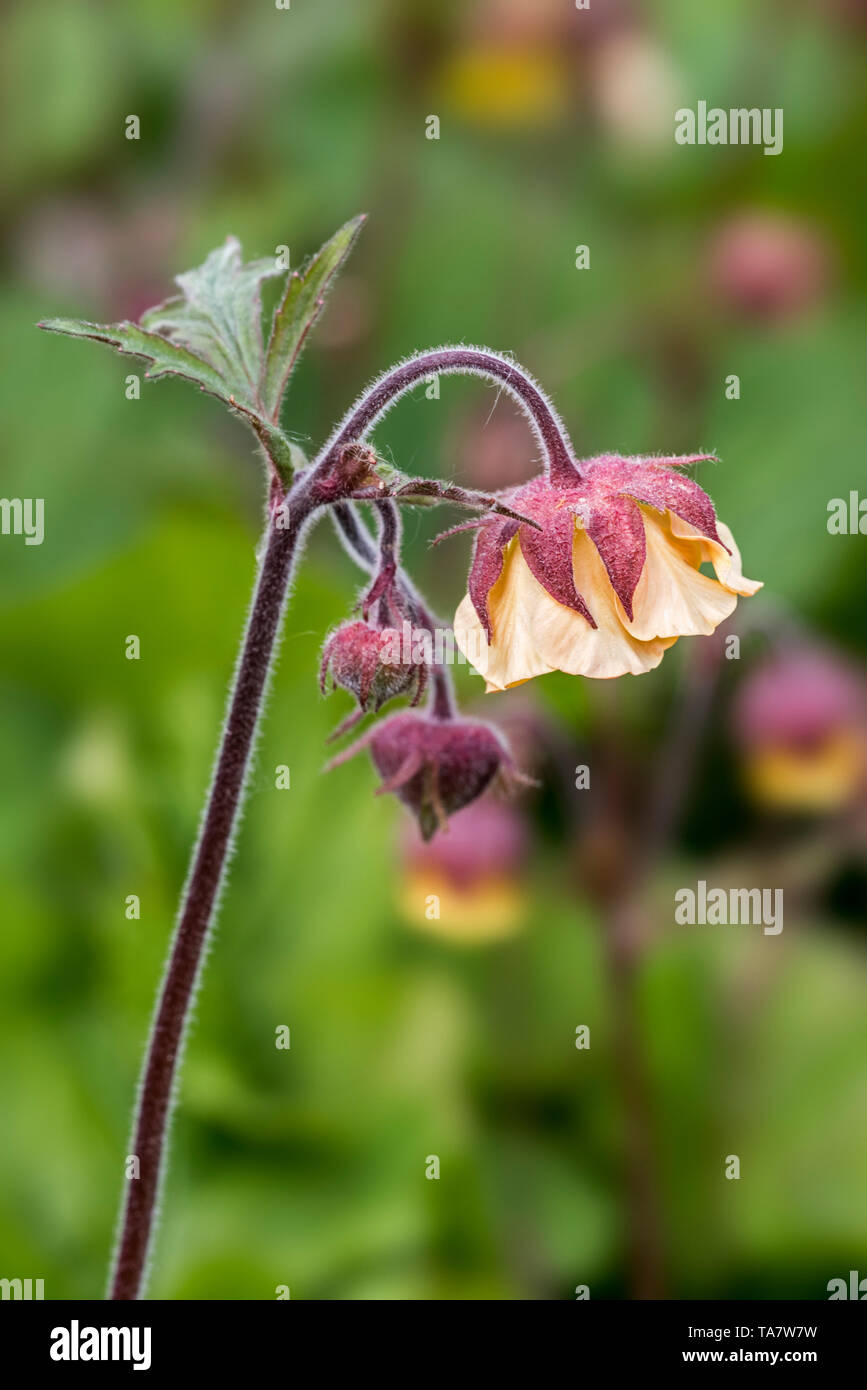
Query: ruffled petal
{"points": [[725, 558], [673, 598], [533, 634]]}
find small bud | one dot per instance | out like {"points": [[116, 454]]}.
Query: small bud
{"points": [[356, 467], [767, 268], [374, 664]]}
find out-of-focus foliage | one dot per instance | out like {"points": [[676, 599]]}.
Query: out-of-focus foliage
{"points": [[306, 1167]]}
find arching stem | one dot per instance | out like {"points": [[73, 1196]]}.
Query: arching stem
{"points": [[559, 457]]}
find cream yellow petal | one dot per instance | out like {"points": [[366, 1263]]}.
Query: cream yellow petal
{"points": [[673, 598], [727, 566], [534, 634]]}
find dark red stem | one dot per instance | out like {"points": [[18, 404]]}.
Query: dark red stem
{"points": [[549, 429], [209, 861]]}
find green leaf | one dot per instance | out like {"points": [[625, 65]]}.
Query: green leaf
{"points": [[218, 317], [300, 307], [211, 334], [169, 358]]}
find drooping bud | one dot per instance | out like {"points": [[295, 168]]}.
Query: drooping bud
{"points": [[435, 766], [375, 664]]}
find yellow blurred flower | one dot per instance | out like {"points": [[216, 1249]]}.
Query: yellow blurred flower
{"points": [[817, 778], [800, 719], [466, 885], [505, 86]]}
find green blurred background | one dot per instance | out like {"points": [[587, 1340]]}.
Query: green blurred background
{"points": [[306, 1167]]}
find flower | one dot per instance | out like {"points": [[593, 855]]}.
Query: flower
{"points": [[474, 873], [800, 719], [434, 766], [609, 582]]}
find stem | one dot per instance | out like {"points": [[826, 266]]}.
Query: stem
{"points": [[377, 399], [623, 933], [626, 937], [165, 1046]]}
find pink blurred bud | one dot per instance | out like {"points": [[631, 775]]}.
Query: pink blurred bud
{"points": [[488, 838], [796, 697], [768, 266]]}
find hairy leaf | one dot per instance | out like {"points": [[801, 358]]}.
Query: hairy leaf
{"points": [[218, 316], [211, 334], [297, 312]]}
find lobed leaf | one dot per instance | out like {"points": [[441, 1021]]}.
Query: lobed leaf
{"points": [[295, 315], [211, 334], [168, 358]]}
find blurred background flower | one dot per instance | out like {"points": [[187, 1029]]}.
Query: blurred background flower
{"points": [[466, 885], [800, 718], [768, 267]]}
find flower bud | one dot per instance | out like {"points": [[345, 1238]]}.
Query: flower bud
{"points": [[372, 664], [353, 469], [434, 766]]}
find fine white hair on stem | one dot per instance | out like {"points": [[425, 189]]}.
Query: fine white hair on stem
{"points": [[462, 360]]}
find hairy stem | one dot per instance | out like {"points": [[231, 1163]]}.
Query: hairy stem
{"points": [[153, 1110], [377, 399], [165, 1045]]}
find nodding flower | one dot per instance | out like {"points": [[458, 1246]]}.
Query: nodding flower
{"points": [[608, 582]]}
